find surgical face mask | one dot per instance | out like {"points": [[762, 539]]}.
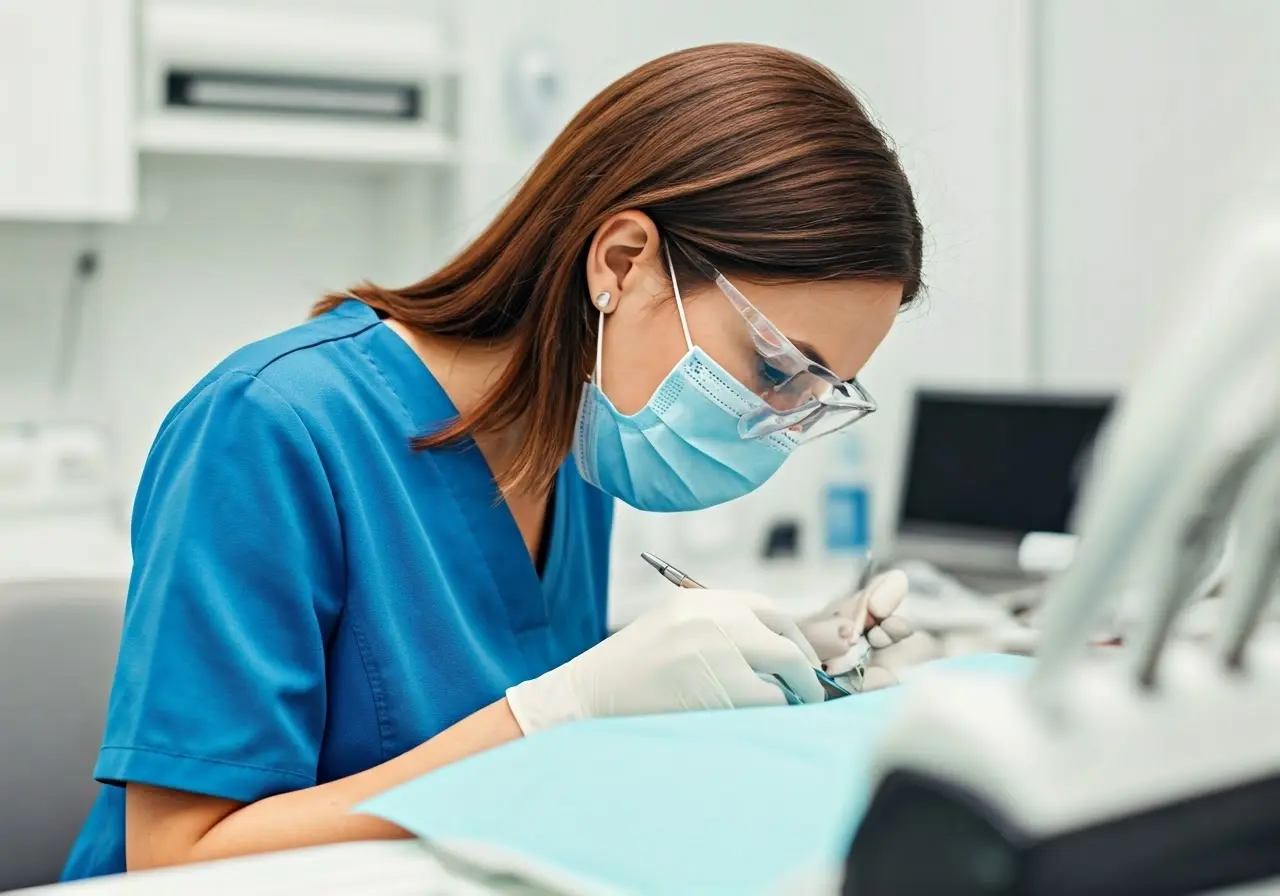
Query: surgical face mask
{"points": [[683, 450]]}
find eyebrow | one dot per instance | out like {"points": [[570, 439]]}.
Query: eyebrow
{"points": [[810, 352]]}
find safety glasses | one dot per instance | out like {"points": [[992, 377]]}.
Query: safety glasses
{"points": [[801, 397]]}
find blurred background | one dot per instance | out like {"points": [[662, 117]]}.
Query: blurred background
{"points": [[1067, 155]]}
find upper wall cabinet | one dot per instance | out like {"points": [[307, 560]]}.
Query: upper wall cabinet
{"points": [[66, 110], [342, 83]]}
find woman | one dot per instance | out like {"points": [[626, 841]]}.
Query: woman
{"points": [[362, 549]]}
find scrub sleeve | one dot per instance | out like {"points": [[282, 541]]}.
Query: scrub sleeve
{"points": [[221, 684]]}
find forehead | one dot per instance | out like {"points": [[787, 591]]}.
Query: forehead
{"points": [[842, 321]]}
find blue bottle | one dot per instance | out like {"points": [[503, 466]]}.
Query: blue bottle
{"points": [[847, 499]]}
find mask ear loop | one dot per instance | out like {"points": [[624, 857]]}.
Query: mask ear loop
{"points": [[675, 286], [595, 374], [596, 377]]}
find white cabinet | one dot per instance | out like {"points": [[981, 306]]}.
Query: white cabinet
{"points": [[66, 110]]}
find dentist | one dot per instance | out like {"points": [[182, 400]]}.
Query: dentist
{"points": [[377, 543]]}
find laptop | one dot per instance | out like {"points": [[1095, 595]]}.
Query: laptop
{"points": [[984, 469]]}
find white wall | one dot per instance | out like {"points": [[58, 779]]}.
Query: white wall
{"points": [[1158, 114], [223, 252]]}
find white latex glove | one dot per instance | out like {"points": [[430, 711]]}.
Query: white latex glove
{"points": [[851, 630], [698, 649]]}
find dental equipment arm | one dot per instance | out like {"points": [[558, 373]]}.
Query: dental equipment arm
{"points": [[1161, 453], [1253, 586], [1197, 569], [1160, 771], [1157, 461]]}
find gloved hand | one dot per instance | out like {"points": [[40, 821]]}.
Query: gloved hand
{"points": [[850, 630], [698, 649]]}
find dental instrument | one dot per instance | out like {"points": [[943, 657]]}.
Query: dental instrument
{"points": [[669, 572]]}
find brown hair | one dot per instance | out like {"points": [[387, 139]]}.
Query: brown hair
{"points": [[751, 159]]}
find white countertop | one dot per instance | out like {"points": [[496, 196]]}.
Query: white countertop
{"points": [[388, 868]]}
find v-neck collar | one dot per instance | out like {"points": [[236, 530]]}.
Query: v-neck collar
{"points": [[467, 476]]}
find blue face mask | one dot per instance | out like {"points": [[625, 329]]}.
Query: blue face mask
{"points": [[682, 450]]}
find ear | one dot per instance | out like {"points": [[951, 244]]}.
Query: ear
{"points": [[623, 252]]}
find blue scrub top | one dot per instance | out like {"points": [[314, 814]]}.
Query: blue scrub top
{"points": [[310, 597]]}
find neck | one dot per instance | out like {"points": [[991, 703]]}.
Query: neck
{"points": [[466, 370]]}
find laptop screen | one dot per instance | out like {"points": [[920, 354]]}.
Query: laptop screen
{"points": [[997, 464]]}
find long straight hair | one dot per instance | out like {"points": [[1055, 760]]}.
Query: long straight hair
{"points": [[753, 160]]}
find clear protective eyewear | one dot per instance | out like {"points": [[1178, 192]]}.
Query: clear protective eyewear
{"points": [[801, 397]]}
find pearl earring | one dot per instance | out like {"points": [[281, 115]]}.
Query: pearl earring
{"points": [[602, 300]]}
